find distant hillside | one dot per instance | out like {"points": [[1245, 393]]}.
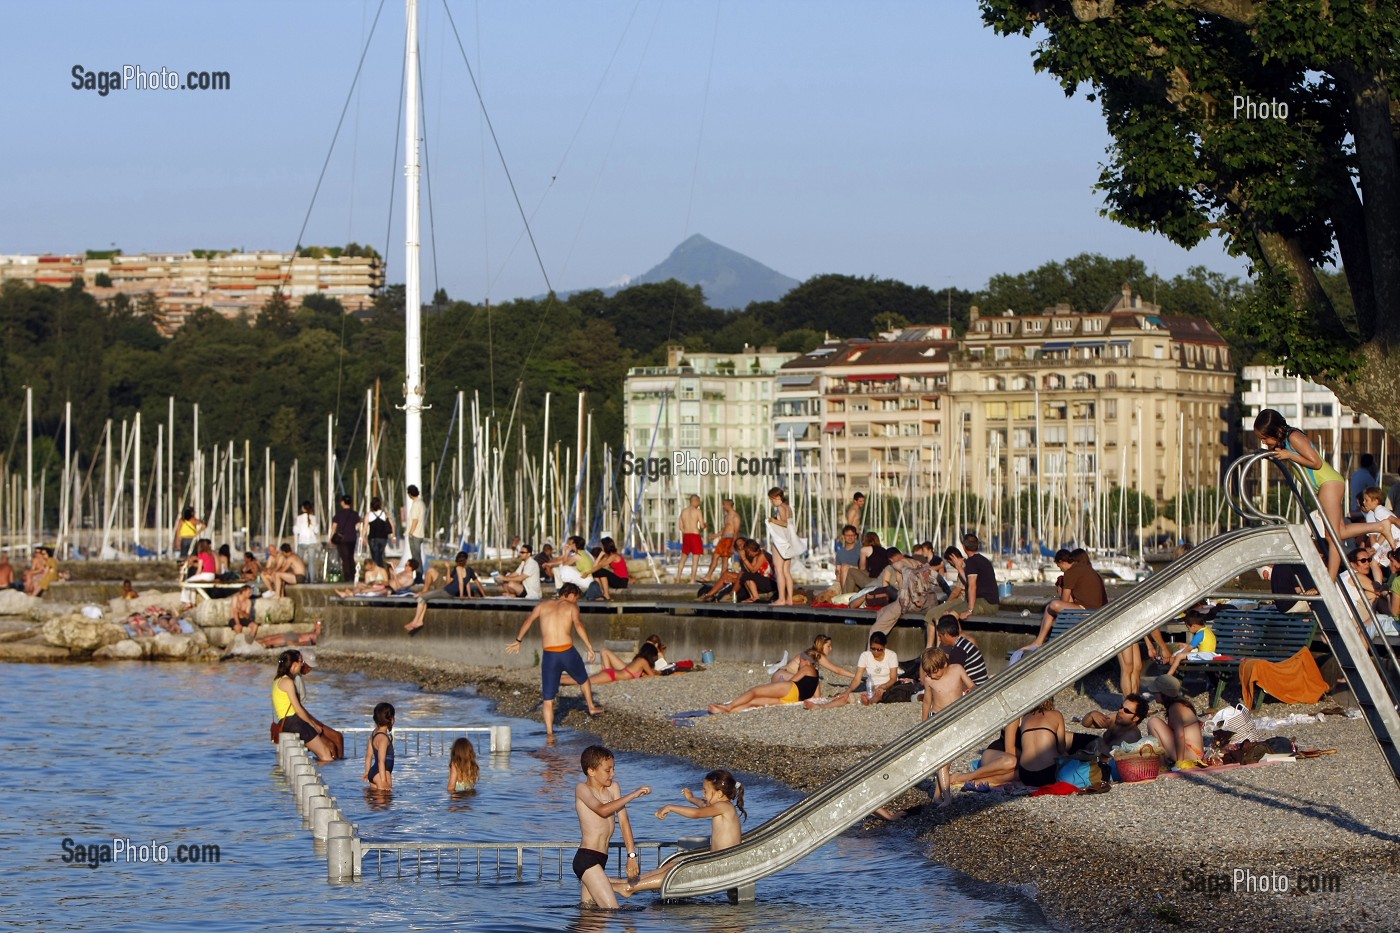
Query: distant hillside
{"points": [[730, 279]]}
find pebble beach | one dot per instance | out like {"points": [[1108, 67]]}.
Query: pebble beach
{"points": [[1300, 845]]}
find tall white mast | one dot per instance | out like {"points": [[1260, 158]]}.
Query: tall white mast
{"points": [[413, 365]]}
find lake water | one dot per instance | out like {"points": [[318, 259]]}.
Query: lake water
{"points": [[179, 755]]}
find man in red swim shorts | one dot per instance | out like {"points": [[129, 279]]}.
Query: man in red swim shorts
{"points": [[692, 523]]}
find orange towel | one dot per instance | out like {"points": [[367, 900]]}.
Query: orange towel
{"points": [[1296, 680]]}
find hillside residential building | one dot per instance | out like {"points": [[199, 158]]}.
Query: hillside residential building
{"points": [[231, 283]]}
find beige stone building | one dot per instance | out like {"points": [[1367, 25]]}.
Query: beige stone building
{"points": [[1082, 403]]}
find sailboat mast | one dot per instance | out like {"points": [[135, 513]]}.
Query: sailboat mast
{"points": [[413, 304]]}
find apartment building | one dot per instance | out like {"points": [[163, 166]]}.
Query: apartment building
{"points": [[1339, 433], [700, 424], [1082, 403], [232, 283]]}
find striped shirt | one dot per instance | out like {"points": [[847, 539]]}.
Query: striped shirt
{"points": [[967, 654]]}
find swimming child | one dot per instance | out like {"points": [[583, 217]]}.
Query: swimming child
{"points": [[379, 753], [722, 803], [598, 800], [463, 770], [943, 683]]}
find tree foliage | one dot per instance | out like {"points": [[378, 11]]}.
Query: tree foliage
{"points": [[1309, 181]]}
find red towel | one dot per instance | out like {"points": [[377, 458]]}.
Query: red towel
{"points": [[1058, 789], [1296, 680]]}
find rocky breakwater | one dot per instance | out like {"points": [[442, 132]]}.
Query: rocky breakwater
{"points": [[153, 627]]}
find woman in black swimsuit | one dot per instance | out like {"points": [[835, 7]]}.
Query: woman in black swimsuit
{"points": [[802, 687], [1038, 757]]}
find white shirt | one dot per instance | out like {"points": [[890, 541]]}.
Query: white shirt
{"points": [[306, 529], [418, 517], [531, 570], [1387, 537], [879, 670]]}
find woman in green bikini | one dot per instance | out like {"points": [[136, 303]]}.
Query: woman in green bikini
{"points": [[1291, 444]]}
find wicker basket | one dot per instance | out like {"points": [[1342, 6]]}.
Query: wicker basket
{"points": [[1144, 768]]}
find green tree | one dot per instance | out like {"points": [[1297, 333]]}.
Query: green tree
{"points": [[1284, 185]]}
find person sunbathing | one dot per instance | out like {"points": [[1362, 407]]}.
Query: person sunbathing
{"points": [[642, 665], [803, 687], [374, 581]]}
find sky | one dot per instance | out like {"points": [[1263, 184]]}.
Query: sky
{"points": [[901, 140]]}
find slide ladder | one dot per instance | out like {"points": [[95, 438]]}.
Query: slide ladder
{"points": [[957, 731]]}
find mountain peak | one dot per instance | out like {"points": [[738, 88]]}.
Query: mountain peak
{"points": [[728, 278]]}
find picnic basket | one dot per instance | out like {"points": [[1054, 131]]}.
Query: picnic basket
{"points": [[1143, 767]]}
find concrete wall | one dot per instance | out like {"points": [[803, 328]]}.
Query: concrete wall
{"points": [[479, 636]]}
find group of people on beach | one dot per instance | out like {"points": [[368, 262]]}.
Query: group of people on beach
{"points": [[43, 571]]}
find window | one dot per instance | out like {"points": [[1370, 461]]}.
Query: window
{"points": [[1063, 325], [860, 405], [1084, 434], [1093, 325], [1055, 434], [860, 455], [994, 384], [1159, 352], [690, 435], [1283, 385], [1001, 353], [860, 430], [1023, 437], [1110, 408], [1083, 410], [1055, 411], [1083, 381], [996, 410], [1023, 410], [1032, 327], [1317, 410], [687, 390], [1021, 384], [1110, 380], [889, 404], [1053, 381]]}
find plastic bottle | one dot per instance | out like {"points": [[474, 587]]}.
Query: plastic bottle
{"points": [[869, 687]]}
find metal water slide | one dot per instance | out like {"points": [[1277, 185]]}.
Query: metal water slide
{"points": [[955, 732]]}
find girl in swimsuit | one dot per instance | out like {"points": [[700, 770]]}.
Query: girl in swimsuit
{"points": [[803, 687], [463, 771], [1289, 444], [1038, 758], [379, 753], [287, 707], [642, 665], [721, 802]]}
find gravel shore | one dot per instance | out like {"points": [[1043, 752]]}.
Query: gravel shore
{"points": [[1155, 856]]}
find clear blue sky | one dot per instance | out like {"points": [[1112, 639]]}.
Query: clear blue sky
{"points": [[896, 139]]}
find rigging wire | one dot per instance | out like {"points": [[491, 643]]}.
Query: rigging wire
{"points": [[339, 123], [394, 168], [428, 176]]}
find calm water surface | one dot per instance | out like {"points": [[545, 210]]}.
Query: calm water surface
{"points": [[179, 754]]}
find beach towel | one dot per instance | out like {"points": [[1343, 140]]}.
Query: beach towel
{"points": [[1296, 680], [785, 541]]}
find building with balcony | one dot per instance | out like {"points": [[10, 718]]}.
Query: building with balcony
{"points": [[1078, 404], [1339, 434], [700, 424]]}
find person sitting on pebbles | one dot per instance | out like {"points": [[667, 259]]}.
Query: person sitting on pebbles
{"points": [[877, 662], [802, 687], [1177, 728]]}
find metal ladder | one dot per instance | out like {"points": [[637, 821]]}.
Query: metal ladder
{"points": [[1371, 668]]}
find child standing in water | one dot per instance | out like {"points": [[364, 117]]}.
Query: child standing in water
{"points": [[722, 803], [463, 770], [379, 753], [598, 800]]}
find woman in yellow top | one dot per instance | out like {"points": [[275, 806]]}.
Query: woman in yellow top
{"points": [[286, 706], [186, 531], [1290, 444]]}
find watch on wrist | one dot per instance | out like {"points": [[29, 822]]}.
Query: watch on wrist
{"points": [[631, 855]]}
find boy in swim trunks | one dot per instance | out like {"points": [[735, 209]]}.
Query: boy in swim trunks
{"points": [[692, 523], [559, 619], [724, 541], [597, 800]]}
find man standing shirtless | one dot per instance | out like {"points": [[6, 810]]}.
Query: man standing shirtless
{"points": [[598, 800], [724, 541], [856, 510], [559, 619], [692, 523]]}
